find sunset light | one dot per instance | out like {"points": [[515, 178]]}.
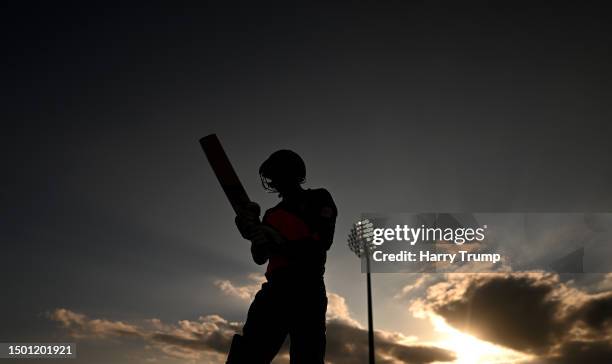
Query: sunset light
{"points": [[470, 350]]}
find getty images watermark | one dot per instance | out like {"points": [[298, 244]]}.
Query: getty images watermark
{"points": [[411, 235], [489, 242]]}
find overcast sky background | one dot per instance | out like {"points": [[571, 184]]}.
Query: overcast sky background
{"points": [[109, 207]]}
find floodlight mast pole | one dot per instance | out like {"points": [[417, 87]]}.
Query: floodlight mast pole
{"points": [[370, 315], [359, 240]]}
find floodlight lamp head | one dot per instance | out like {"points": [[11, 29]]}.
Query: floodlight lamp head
{"points": [[360, 237]]}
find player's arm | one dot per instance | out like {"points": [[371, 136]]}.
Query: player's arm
{"points": [[265, 242], [264, 239], [247, 222]]}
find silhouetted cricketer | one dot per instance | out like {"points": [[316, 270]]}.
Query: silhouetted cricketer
{"points": [[293, 237]]}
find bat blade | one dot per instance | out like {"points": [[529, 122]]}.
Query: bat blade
{"points": [[223, 169]]}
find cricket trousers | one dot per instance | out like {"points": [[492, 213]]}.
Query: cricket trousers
{"points": [[284, 307]]}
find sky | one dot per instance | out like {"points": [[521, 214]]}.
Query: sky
{"points": [[116, 234]]}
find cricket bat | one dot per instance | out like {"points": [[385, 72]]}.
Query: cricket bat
{"points": [[224, 171]]}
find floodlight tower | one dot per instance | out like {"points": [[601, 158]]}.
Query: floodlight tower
{"points": [[360, 242]]}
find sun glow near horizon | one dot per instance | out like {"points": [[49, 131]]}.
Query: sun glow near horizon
{"points": [[471, 350]]}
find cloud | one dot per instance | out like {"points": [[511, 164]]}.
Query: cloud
{"points": [[592, 352], [337, 310], [211, 335], [533, 313], [82, 327], [348, 344], [246, 292], [421, 281], [185, 340]]}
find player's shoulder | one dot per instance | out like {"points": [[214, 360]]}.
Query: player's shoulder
{"points": [[321, 198], [320, 194]]}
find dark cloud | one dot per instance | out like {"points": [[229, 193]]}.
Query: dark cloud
{"points": [[348, 344], [518, 305], [532, 312], [596, 313], [592, 352]]}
